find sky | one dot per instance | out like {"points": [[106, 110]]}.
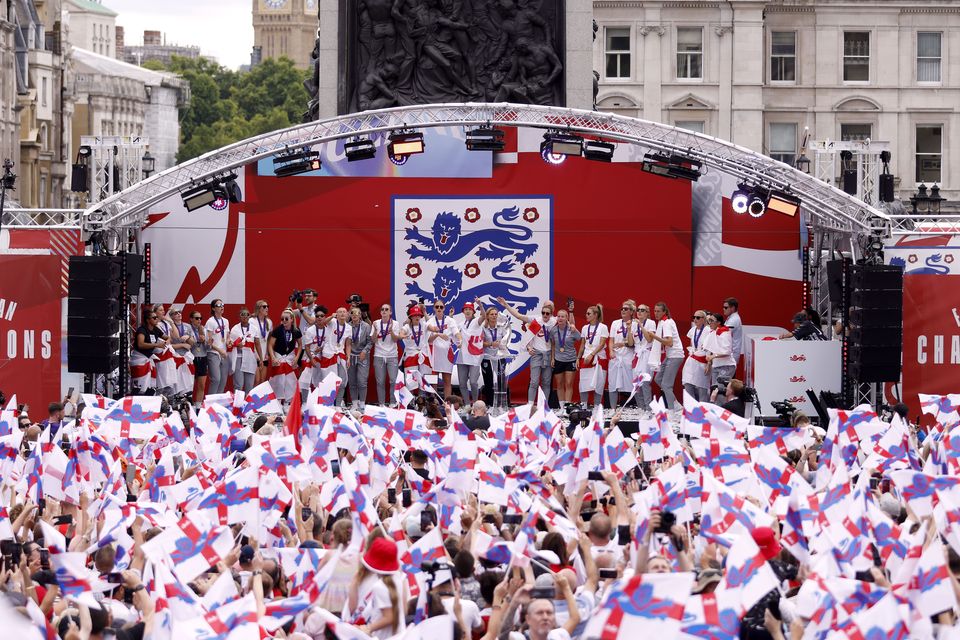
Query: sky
{"points": [[221, 28]]}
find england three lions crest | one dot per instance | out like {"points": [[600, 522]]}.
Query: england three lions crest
{"points": [[461, 249]]}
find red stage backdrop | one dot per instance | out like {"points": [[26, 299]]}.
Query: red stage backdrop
{"points": [[931, 317]]}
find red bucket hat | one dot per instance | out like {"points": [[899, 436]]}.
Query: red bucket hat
{"points": [[381, 557], [766, 539]]}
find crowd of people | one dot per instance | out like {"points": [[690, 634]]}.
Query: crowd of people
{"points": [[124, 518], [174, 354]]}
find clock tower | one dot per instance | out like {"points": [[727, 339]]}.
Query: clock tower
{"points": [[285, 28]]}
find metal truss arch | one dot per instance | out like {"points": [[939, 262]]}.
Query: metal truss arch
{"points": [[827, 206]]}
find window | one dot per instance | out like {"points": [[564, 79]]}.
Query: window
{"points": [[617, 53], [851, 132], [783, 56], [856, 56], [690, 53], [43, 92], [783, 142], [691, 125], [929, 153], [928, 56], [42, 200]]}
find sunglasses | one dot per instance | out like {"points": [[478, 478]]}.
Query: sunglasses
{"points": [[698, 317], [625, 309], [438, 306], [545, 312], [195, 317], [218, 306], [264, 306], [153, 317], [726, 306], [384, 308]]}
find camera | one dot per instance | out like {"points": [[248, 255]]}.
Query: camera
{"points": [[354, 299], [296, 296], [433, 567], [667, 520], [784, 409]]}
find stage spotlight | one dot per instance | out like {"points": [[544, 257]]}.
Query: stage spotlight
{"points": [[296, 162], [485, 139], [404, 144], [556, 143], [360, 149], [598, 150], [783, 202], [674, 166], [201, 196], [550, 158], [757, 204], [232, 189], [741, 198]]}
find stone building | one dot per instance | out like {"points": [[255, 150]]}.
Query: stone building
{"points": [[9, 74], [762, 73], [284, 28], [155, 47], [92, 26]]}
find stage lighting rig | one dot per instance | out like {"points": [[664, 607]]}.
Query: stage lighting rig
{"points": [[485, 139], [783, 202], [757, 204], [216, 192], [673, 166], [295, 162], [403, 144], [556, 146], [741, 198], [598, 150], [359, 149]]}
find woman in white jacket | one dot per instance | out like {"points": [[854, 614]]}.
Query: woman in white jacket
{"points": [[719, 346], [695, 379]]}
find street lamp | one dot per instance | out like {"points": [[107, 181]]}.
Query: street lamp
{"points": [[934, 200], [803, 163], [7, 181], [149, 164], [921, 201]]}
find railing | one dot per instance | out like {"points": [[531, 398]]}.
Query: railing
{"points": [[925, 224], [42, 218]]}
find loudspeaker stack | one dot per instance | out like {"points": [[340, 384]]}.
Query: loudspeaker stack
{"points": [[95, 311], [876, 323]]}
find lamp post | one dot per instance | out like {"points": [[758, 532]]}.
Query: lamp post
{"points": [[921, 201], [803, 163], [7, 181], [934, 200], [149, 164]]}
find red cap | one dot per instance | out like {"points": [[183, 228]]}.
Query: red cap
{"points": [[414, 311], [766, 539], [468, 305], [381, 557]]}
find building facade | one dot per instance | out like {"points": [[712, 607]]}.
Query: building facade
{"points": [[765, 74], [9, 117], [154, 47], [92, 26], [284, 28]]}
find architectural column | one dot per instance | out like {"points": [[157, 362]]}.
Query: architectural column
{"points": [[578, 62], [652, 71], [726, 60], [329, 82]]}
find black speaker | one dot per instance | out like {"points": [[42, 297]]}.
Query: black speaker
{"points": [[880, 301], [850, 181], [835, 281], [876, 323], [878, 337], [104, 363], [873, 319], [886, 187], [877, 277], [134, 273], [95, 268], [92, 327], [101, 308], [94, 289], [78, 346]]}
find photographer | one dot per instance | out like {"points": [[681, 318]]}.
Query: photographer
{"points": [[736, 398], [303, 304]]}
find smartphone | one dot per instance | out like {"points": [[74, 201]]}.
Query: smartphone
{"points": [[44, 558], [335, 467], [569, 301], [406, 499], [41, 505], [512, 518], [70, 393], [543, 593], [131, 497], [595, 475], [426, 520], [114, 578], [638, 473], [64, 519], [874, 482], [623, 534], [305, 513], [608, 574], [885, 485], [489, 518], [507, 469], [392, 495]]}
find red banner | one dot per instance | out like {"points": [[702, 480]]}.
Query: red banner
{"points": [[30, 330]]}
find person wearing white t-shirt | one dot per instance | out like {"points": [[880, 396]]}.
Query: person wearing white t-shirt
{"points": [[416, 351], [385, 334], [305, 311], [260, 328], [242, 364], [541, 372], [336, 350], [719, 347], [731, 309], [666, 344], [695, 379], [442, 332], [621, 342], [218, 364], [313, 340], [593, 356], [470, 353], [642, 348]]}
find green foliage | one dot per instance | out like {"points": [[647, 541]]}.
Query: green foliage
{"points": [[227, 106]]}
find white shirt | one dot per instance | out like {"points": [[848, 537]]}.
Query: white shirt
{"points": [[411, 346], [447, 332], [645, 346], [302, 323], [593, 337], [539, 342], [667, 328], [471, 333], [385, 346], [217, 331], [736, 330], [619, 333], [336, 338], [470, 611], [261, 332], [719, 343]]}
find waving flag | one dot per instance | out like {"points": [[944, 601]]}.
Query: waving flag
{"points": [[427, 549], [782, 440], [920, 489], [699, 421], [262, 399], [712, 616], [747, 573], [726, 459], [947, 406], [670, 487], [648, 605], [931, 590], [73, 576], [777, 479], [883, 620], [728, 516], [401, 393], [193, 545]]}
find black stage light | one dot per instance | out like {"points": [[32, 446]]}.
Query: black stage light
{"points": [[560, 144], [360, 149], [757, 205], [405, 144], [741, 198], [783, 202], [598, 150], [485, 139], [296, 162], [674, 166], [201, 196]]}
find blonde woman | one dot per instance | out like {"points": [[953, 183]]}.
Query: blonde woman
{"points": [[621, 343], [260, 327], [667, 353], [593, 356], [373, 604]]}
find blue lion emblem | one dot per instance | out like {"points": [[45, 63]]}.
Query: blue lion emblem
{"points": [[448, 287], [447, 242]]}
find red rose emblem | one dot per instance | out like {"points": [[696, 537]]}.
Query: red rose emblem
{"points": [[471, 215], [912, 258], [413, 270], [414, 215], [472, 270], [949, 258], [531, 270], [530, 214]]}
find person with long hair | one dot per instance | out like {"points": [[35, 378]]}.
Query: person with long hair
{"points": [[374, 602], [416, 351], [593, 356], [719, 347], [240, 348], [260, 327], [563, 342], [495, 337], [218, 364], [642, 348], [386, 335], [182, 341], [283, 350], [199, 350], [667, 353], [621, 342], [165, 358], [541, 373], [314, 339], [694, 377], [442, 332], [470, 354], [148, 341]]}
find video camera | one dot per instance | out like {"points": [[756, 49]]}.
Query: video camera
{"points": [[296, 296], [356, 300], [748, 395], [785, 409]]}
